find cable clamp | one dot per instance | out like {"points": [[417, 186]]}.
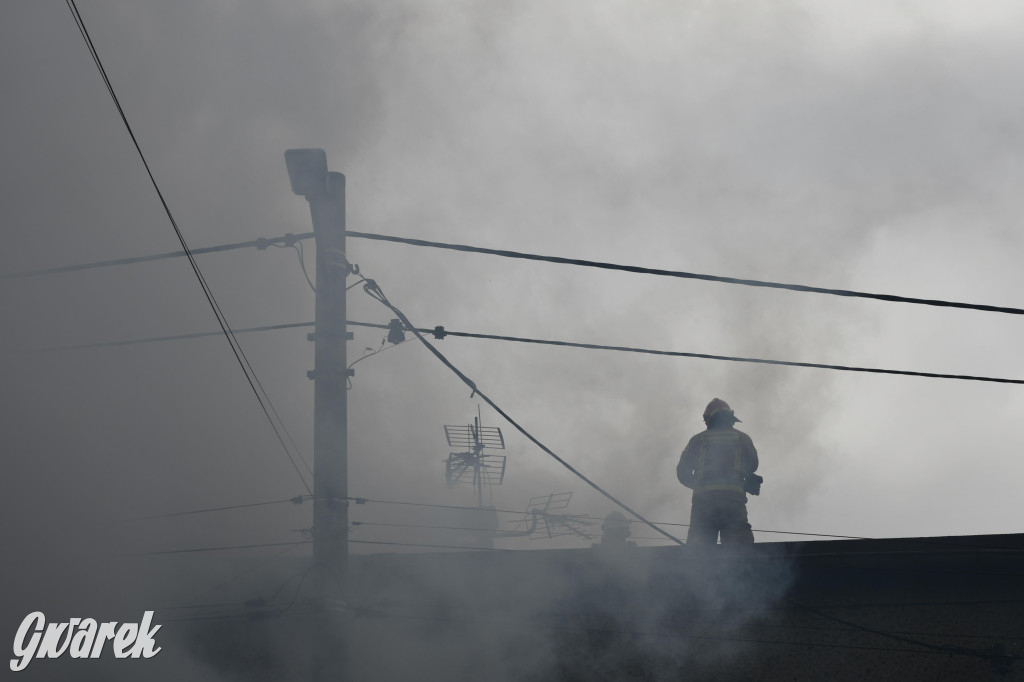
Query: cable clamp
{"points": [[335, 257], [331, 499], [439, 332]]}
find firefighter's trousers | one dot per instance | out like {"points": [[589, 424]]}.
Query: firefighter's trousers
{"points": [[719, 511]]}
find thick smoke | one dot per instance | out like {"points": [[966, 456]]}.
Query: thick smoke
{"points": [[875, 149]]}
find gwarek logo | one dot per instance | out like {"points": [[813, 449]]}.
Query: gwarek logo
{"points": [[82, 638]]}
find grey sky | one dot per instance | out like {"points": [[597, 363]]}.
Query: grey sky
{"points": [[874, 147]]}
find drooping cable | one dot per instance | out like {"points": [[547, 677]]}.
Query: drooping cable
{"points": [[223, 548], [505, 253], [297, 245], [238, 576], [680, 274], [441, 332], [478, 622], [938, 648], [299, 499], [374, 291], [729, 358], [260, 244], [236, 349], [175, 337]]}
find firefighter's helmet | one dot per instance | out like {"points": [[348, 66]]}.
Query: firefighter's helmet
{"points": [[714, 407]]}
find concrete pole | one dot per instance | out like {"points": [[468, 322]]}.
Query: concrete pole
{"points": [[325, 192]]}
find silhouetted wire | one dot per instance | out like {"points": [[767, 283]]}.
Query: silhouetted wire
{"points": [[819, 628], [280, 588], [928, 648], [257, 601], [921, 604], [849, 625], [422, 525], [498, 533], [260, 244], [236, 349], [937, 545], [357, 500], [302, 261], [176, 337], [727, 358], [938, 648], [428, 545], [293, 500], [939, 542], [200, 606], [298, 589], [569, 344], [375, 352], [376, 613], [646, 615], [364, 500], [374, 290], [942, 543], [244, 615], [194, 550], [263, 243], [234, 578], [685, 275]]}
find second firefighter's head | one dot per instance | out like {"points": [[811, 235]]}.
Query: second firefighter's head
{"points": [[718, 413]]}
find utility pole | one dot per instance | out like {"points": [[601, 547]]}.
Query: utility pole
{"points": [[325, 192]]}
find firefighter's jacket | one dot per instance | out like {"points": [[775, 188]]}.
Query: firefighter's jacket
{"points": [[718, 459]]}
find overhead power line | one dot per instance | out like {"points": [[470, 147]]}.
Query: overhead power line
{"points": [[374, 291], [298, 499], [196, 550], [238, 576], [290, 239], [440, 332], [261, 243], [686, 275], [364, 500], [176, 337], [928, 648], [250, 374], [955, 650], [366, 612], [725, 358], [944, 543]]}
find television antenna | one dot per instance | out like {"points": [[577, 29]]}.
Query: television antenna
{"points": [[539, 520], [473, 464]]}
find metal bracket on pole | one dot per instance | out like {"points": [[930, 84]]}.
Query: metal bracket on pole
{"points": [[330, 373], [314, 336]]}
